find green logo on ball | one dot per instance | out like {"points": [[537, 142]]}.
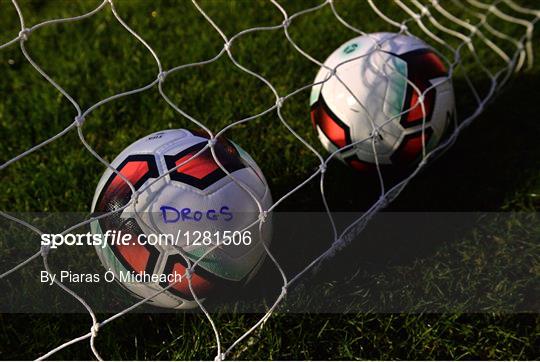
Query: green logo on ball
{"points": [[350, 48]]}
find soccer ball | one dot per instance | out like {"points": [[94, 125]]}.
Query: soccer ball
{"points": [[377, 104], [197, 204]]}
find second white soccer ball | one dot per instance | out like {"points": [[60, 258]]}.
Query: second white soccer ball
{"points": [[390, 96]]}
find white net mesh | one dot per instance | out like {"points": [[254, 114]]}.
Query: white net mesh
{"points": [[459, 42]]}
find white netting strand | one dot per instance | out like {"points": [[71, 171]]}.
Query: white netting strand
{"points": [[427, 16]]}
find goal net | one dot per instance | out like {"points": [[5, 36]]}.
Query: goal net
{"points": [[483, 43]]}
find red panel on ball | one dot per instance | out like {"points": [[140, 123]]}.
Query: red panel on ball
{"points": [[133, 171], [199, 167], [335, 130], [135, 255], [362, 166], [422, 66], [411, 147], [200, 285]]}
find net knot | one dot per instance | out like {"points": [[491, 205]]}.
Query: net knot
{"points": [[336, 245], [322, 167], [375, 134], [283, 290], [79, 120], [189, 272], [333, 72], [279, 102], [263, 215], [24, 34], [211, 142], [45, 249], [424, 11], [403, 28], [94, 330], [227, 46], [161, 76], [220, 357], [286, 23]]}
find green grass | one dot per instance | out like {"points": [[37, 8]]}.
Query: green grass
{"points": [[493, 167]]}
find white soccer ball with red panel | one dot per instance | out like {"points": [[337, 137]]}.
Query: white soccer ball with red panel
{"points": [[390, 96], [197, 198]]}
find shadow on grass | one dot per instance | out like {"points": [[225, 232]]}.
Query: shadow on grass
{"points": [[487, 169], [490, 161]]}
